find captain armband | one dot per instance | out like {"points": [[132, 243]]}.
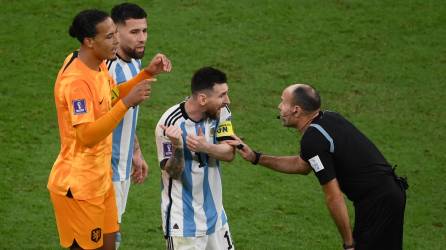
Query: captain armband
{"points": [[114, 94], [225, 131]]}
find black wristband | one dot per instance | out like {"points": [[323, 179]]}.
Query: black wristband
{"points": [[345, 246], [256, 160]]}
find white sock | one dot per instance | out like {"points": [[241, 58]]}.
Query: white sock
{"points": [[118, 240]]}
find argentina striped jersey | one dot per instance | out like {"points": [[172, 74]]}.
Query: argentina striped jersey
{"points": [[124, 133], [192, 205]]}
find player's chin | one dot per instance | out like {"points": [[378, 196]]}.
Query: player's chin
{"points": [[111, 57], [140, 52], [139, 55], [112, 54]]}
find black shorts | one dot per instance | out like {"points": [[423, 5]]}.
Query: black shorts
{"points": [[379, 217]]}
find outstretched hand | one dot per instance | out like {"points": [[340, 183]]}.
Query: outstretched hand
{"points": [[160, 63], [140, 92], [242, 148]]}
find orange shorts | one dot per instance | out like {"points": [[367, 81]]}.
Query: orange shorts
{"points": [[85, 220]]}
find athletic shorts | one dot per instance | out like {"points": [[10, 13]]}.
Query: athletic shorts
{"points": [[122, 194], [219, 240], [85, 220], [379, 218]]}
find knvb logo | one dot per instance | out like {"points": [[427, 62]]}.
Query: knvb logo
{"points": [[96, 234]]}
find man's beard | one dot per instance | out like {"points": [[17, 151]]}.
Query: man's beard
{"points": [[132, 53], [214, 115]]}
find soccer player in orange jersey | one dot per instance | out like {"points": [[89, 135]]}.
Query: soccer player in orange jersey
{"points": [[89, 106]]}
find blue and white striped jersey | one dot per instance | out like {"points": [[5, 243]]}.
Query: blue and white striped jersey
{"points": [[191, 206], [124, 133]]}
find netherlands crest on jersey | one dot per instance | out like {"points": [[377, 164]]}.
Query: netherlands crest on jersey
{"points": [[79, 106]]}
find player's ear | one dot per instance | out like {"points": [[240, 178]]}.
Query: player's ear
{"points": [[89, 41], [202, 98]]}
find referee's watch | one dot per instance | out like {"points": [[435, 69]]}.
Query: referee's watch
{"points": [[257, 158]]}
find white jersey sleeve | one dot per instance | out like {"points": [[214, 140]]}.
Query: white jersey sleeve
{"points": [[163, 143], [225, 129]]}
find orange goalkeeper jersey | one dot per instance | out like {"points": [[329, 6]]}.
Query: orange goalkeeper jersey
{"points": [[82, 95]]}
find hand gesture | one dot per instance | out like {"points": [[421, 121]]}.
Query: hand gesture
{"points": [[140, 92], [242, 148], [174, 134], [160, 63], [197, 143]]}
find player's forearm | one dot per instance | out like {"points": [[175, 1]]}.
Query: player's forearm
{"points": [[175, 165], [89, 134], [120, 91], [222, 152], [284, 164], [136, 146]]}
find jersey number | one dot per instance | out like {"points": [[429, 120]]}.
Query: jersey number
{"points": [[228, 239]]}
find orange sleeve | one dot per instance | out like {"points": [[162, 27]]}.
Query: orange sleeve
{"points": [[89, 134], [79, 101], [123, 89]]}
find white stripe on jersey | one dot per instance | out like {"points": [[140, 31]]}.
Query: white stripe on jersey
{"points": [[191, 206], [124, 133]]}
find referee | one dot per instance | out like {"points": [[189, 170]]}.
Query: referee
{"points": [[345, 161]]}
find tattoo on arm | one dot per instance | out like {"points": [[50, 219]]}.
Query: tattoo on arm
{"points": [[136, 146], [175, 164]]}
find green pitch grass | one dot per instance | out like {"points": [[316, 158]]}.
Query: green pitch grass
{"points": [[380, 63]]}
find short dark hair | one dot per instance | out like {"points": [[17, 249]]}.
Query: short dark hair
{"points": [[84, 23], [307, 98], [205, 79], [122, 12]]}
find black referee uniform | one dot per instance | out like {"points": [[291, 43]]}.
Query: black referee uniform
{"points": [[336, 149]]}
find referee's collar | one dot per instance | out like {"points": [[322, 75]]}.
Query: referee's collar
{"points": [[318, 117]]}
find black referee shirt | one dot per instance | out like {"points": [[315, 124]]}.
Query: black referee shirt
{"points": [[335, 148]]}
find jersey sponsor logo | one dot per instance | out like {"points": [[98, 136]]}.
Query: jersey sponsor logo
{"points": [[224, 130], [316, 163], [79, 106], [167, 149], [96, 234]]}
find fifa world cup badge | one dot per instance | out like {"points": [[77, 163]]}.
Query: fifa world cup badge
{"points": [[79, 106]]}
